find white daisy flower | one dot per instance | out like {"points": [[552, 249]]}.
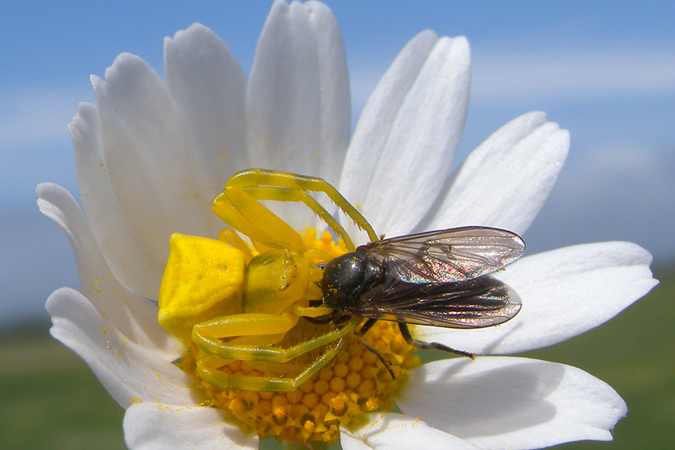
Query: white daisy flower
{"points": [[152, 154]]}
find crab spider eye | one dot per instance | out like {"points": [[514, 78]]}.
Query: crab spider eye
{"points": [[274, 281]]}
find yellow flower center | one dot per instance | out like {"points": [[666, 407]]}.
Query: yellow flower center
{"points": [[354, 382]]}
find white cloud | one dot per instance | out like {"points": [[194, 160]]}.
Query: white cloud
{"points": [[38, 116], [631, 174], [501, 74], [508, 76], [614, 192]]}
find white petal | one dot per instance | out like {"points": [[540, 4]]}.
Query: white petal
{"points": [[565, 292], [397, 431], [298, 93], [125, 256], [159, 178], [128, 371], [209, 88], [406, 138], [506, 180], [149, 426], [379, 115], [511, 403], [134, 316]]}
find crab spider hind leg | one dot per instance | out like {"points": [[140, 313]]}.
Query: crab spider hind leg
{"points": [[224, 380], [217, 354]]}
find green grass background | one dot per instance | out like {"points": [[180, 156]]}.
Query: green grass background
{"points": [[49, 399]]}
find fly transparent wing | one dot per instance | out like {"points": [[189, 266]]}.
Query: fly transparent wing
{"points": [[478, 303], [446, 256]]}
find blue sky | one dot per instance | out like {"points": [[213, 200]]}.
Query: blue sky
{"points": [[605, 70]]}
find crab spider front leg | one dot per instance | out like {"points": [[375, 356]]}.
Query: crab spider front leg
{"points": [[260, 224], [262, 177], [280, 186]]}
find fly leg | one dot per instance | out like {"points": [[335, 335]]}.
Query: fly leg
{"points": [[426, 346], [363, 330]]}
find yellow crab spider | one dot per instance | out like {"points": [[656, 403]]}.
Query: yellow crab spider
{"points": [[274, 291]]}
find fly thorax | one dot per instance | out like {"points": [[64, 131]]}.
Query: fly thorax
{"points": [[346, 278]]}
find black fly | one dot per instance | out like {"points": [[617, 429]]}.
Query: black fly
{"points": [[437, 278]]}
